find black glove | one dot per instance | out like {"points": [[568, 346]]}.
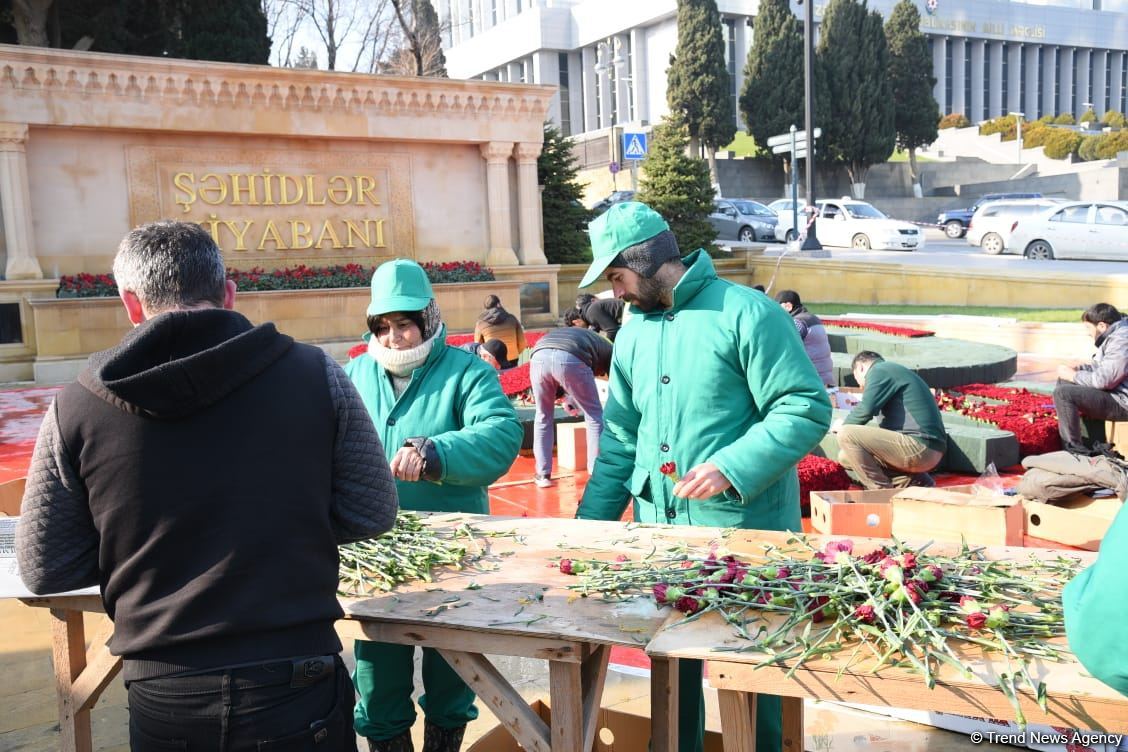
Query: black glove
{"points": [[432, 464]]}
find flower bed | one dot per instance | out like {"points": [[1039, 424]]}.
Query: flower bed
{"points": [[819, 474], [1028, 415], [290, 278], [896, 331]]}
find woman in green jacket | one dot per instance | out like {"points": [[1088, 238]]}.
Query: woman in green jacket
{"points": [[448, 432]]}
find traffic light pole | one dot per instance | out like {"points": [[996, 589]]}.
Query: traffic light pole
{"points": [[811, 242]]}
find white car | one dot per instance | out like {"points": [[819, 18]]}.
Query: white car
{"points": [[990, 226], [848, 223], [785, 230], [1075, 230]]}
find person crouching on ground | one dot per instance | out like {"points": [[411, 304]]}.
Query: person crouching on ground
{"points": [[1096, 391], [911, 439], [448, 432], [569, 359]]}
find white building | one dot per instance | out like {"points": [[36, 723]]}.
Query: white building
{"points": [[609, 57]]}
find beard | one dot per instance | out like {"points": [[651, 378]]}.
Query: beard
{"points": [[652, 295]]}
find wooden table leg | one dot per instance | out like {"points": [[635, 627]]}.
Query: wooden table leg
{"points": [[738, 720], [663, 704], [565, 681], [68, 650], [792, 724], [593, 673]]}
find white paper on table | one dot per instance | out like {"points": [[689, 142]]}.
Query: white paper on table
{"points": [[11, 586]]}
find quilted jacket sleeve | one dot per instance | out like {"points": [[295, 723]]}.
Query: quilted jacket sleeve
{"points": [[364, 492], [56, 541], [1110, 367]]}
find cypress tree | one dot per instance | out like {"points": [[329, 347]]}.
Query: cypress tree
{"points": [[915, 113], [563, 216], [239, 38], [772, 98], [858, 127], [677, 187], [699, 87]]}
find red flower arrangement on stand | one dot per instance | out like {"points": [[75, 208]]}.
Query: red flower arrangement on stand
{"points": [[896, 331], [1030, 416]]}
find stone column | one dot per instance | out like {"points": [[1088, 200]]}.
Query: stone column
{"points": [[939, 69], [529, 204], [496, 154], [546, 70], [996, 106], [978, 71], [1065, 88], [603, 81], [1014, 76], [1049, 63], [1116, 91], [590, 81], [1099, 62], [640, 81], [958, 75], [1033, 107], [1081, 81], [15, 204]]}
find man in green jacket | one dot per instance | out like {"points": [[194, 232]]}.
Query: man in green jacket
{"points": [[911, 439], [448, 432], [713, 377]]}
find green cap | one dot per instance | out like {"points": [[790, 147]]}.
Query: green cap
{"points": [[399, 285], [625, 224]]}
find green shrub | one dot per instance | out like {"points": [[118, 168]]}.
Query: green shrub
{"points": [[1062, 143], [998, 125], [1036, 134], [1089, 116], [1114, 119], [1087, 152], [1047, 119], [1113, 144], [1065, 118], [954, 120]]}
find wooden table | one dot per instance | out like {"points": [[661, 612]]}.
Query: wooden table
{"points": [[1076, 700]]}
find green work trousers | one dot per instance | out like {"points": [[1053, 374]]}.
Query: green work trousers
{"points": [[384, 681], [691, 713]]}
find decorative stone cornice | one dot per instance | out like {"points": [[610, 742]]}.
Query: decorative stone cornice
{"points": [[494, 151], [130, 92], [13, 136], [527, 152]]}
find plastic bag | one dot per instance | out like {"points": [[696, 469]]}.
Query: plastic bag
{"points": [[989, 483]]}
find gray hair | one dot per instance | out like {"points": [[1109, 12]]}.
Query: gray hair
{"points": [[170, 265]]}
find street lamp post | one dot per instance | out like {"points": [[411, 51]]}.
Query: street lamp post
{"points": [[811, 241], [1018, 131], [611, 47]]}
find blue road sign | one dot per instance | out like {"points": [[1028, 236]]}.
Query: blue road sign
{"points": [[634, 146]]}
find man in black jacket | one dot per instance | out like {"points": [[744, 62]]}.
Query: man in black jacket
{"points": [[202, 473], [566, 359], [603, 315]]}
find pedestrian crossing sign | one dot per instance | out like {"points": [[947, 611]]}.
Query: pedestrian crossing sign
{"points": [[634, 146]]}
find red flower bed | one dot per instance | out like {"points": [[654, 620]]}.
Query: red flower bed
{"points": [[819, 474], [1028, 415], [896, 331], [458, 340], [516, 381]]}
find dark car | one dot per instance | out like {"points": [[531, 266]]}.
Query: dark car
{"points": [[955, 221], [617, 197], [743, 220]]}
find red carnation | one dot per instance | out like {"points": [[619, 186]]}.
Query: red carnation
{"points": [[688, 605], [660, 591], [566, 566], [865, 614], [670, 470], [976, 620]]}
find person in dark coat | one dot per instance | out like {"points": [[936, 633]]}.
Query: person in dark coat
{"points": [[603, 315]]}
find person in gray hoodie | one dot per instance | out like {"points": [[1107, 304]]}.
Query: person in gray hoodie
{"points": [[1096, 391], [812, 332]]}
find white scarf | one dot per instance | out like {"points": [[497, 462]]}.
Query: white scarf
{"points": [[400, 363]]}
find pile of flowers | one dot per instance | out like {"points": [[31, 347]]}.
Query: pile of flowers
{"points": [[299, 277], [458, 340], [819, 474], [1030, 416], [896, 331], [517, 382], [890, 605]]}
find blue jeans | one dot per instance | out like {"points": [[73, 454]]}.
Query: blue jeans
{"points": [[248, 708], [555, 368]]}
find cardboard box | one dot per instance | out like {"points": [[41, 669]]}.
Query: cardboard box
{"points": [[617, 732], [945, 514], [1081, 521], [571, 446], [1036, 737], [11, 496], [862, 513]]}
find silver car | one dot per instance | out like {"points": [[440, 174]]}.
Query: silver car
{"points": [[743, 220], [786, 230], [1075, 230], [990, 226]]}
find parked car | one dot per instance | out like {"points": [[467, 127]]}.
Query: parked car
{"points": [[785, 229], [954, 222], [1075, 230], [990, 226], [849, 223], [743, 220], [605, 203]]}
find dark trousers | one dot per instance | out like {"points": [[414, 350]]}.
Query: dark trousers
{"points": [[1074, 402], [273, 706]]}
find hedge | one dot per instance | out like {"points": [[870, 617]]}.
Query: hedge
{"points": [[1065, 118], [1062, 143], [954, 120]]}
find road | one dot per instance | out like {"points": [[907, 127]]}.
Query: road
{"points": [[941, 251]]}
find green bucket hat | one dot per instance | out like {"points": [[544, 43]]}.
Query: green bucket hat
{"points": [[624, 225], [399, 285]]}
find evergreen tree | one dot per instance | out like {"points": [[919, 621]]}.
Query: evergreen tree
{"points": [[772, 99], [563, 216], [239, 38], [677, 187], [858, 127], [306, 58], [699, 87], [915, 112]]}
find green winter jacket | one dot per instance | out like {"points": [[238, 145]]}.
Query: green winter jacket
{"points": [[455, 400], [1094, 610], [721, 377]]}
